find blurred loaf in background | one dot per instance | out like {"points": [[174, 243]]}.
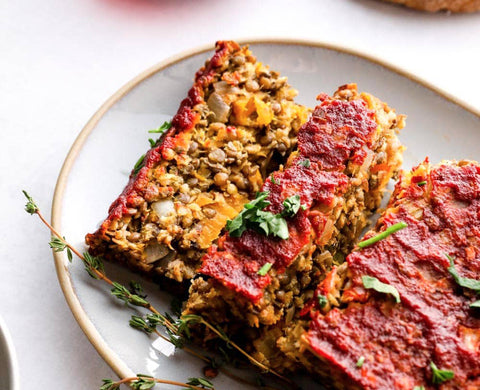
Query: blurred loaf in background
{"points": [[441, 5]]}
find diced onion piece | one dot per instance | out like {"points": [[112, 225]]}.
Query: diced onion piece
{"points": [[219, 107], [155, 252], [223, 88], [164, 207]]}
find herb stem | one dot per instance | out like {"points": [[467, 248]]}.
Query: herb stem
{"points": [[244, 353], [164, 381], [390, 230], [124, 294]]}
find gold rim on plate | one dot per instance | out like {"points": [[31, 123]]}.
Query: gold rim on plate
{"points": [[63, 273]]}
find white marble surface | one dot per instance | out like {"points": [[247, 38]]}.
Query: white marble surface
{"points": [[61, 59]]}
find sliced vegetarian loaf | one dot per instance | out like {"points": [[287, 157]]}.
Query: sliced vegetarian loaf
{"points": [[308, 216], [404, 312], [238, 124]]}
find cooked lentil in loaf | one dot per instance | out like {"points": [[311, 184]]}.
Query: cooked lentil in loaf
{"points": [[238, 123], [364, 339], [347, 152]]}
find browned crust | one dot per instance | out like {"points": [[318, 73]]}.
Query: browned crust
{"points": [[441, 5]]}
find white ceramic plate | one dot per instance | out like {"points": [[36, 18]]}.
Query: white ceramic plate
{"points": [[8, 360], [99, 162]]}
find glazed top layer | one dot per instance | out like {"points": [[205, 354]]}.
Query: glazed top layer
{"points": [[434, 322], [337, 132]]}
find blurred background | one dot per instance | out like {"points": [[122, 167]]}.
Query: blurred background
{"points": [[61, 59]]}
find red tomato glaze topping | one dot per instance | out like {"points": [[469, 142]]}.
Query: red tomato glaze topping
{"points": [[336, 132], [433, 322], [184, 120]]}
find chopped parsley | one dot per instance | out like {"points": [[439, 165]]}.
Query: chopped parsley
{"points": [[253, 217], [272, 178], [370, 282], [138, 164], [421, 183], [440, 376], [322, 300], [360, 362], [471, 284], [162, 128], [265, 268], [475, 304], [291, 206], [390, 230], [304, 163]]}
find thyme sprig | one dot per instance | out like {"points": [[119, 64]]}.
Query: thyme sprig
{"points": [[177, 330], [145, 382]]}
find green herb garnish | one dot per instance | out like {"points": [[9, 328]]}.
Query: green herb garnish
{"points": [[30, 207], [421, 183], [419, 388], [253, 217], [360, 362], [291, 205], [265, 268], [272, 178], [138, 164], [475, 304], [322, 300], [200, 382], [152, 142], [59, 245], [440, 376], [178, 330], [272, 224], [471, 284], [371, 282], [162, 128], [390, 230], [304, 163]]}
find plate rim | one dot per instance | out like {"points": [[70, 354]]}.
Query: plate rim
{"points": [[63, 273]]}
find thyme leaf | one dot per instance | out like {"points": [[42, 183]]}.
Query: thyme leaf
{"points": [[30, 206], [59, 245], [390, 230], [138, 164], [205, 383], [136, 288], [370, 282], [122, 293], [108, 384], [92, 263], [164, 127]]}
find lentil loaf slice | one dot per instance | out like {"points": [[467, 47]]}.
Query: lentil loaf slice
{"points": [[238, 123], [369, 340], [347, 152]]}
